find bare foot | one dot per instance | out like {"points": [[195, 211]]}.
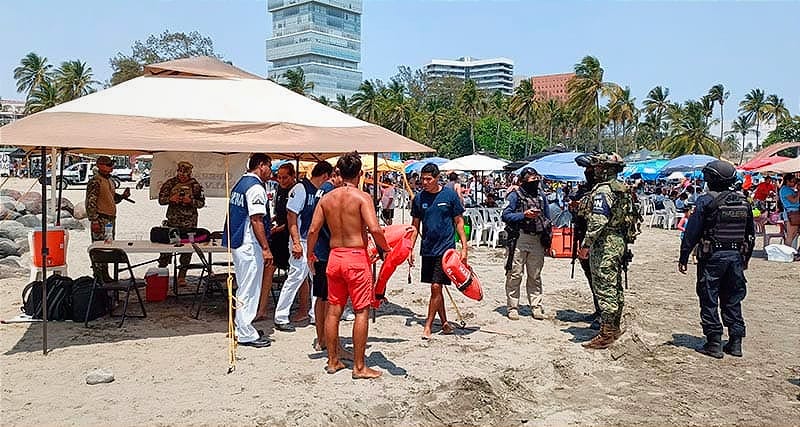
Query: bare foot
{"points": [[344, 354], [366, 374], [317, 346], [334, 369], [447, 329], [426, 334]]}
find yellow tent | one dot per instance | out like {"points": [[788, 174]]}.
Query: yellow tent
{"points": [[367, 164]]}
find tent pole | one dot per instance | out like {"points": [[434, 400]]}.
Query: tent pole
{"points": [[53, 170], [44, 252], [60, 186], [374, 203]]}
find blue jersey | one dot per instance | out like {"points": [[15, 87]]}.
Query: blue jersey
{"points": [[302, 201], [248, 197], [436, 212]]}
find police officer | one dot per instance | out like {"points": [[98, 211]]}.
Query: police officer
{"points": [[611, 224], [722, 224], [528, 214], [183, 195], [579, 233]]}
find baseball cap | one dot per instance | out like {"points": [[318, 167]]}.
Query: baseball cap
{"points": [[104, 160]]}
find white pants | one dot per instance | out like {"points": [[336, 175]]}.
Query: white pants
{"points": [[249, 266], [298, 273]]}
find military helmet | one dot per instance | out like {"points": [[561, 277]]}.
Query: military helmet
{"points": [[719, 173], [601, 160]]}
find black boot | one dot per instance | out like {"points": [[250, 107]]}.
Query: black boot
{"points": [[733, 346], [713, 346]]}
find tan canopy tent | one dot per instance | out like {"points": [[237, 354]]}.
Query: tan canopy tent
{"points": [[198, 105], [202, 105]]}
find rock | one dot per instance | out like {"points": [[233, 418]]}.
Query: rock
{"points": [[13, 230], [9, 248], [31, 221], [7, 199], [66, 214], [12, 261], [7, 192], [99, 376], [71, 224], [66, 205], [8, 271], [20, 207], [23, 244], [6, 213], [79, 212], [32, 201]]}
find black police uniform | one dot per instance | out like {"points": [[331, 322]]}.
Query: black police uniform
{"points": [[726, 243], [579, 228]]}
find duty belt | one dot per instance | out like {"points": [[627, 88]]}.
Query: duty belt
{"points": [[726, 246]]}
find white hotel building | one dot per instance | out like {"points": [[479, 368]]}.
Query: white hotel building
{"points": [[489, 74]]}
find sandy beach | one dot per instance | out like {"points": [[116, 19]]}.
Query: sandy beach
{"points": [[170, 369]]}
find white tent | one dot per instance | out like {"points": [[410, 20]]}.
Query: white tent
{"points": [[786, 166], [474, 162], [215, 108]]}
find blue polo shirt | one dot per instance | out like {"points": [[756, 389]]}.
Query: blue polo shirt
{"points": [[436, 212]]}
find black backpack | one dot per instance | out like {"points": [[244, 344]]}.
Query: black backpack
{"points": [[81, 291], [59, 291]]}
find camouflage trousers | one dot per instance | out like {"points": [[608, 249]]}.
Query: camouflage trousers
{"points": [[101, 270], [606, 266]]}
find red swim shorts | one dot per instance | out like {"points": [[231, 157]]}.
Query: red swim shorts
{"points": [[349, 274]]}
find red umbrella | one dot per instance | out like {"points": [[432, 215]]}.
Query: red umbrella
{"points": [[760, 163]]}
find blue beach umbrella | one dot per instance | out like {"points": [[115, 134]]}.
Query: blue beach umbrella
{"points": [[686, 163], [648, 169], [557, 167], [417, 166]]}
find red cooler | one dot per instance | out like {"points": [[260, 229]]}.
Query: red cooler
{"points": [[56, 247], [562, 243], [157, 280]]}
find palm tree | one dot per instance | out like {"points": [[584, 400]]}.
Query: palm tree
{"points": [[523, 105], [343, 104], [435, 109], [689, 131], [33, 70], [753, 105], [586, 88], [774, 108], [46, 95], [707, 105], [499, 106], [296, 81], [472, 105], [73, 80], [742, 126], [622, 109], [718, 94], [555, 115], [366, 101], [324, 100], [656, 104]]}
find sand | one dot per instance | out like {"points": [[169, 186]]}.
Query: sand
{"points": [[170, 369]]}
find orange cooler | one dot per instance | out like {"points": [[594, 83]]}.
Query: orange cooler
{"points": [[56, 247], [157, 280], [561, 247]]}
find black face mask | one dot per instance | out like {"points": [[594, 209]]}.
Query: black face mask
{"points": [[531, 187]]}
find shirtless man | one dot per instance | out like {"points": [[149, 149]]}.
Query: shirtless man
{"points": [[349, 214]]}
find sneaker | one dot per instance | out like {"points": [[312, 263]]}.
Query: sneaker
{"points": [[538, 313], [261, 342], [513, 314], [284, 327], [348, 315]]}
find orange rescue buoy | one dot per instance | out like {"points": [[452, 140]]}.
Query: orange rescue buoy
{"points": [[462, 276]]}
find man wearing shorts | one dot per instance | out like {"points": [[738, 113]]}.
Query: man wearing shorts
{"points": [[248, 243], [439, 210], [348, 213], [388, 193]]}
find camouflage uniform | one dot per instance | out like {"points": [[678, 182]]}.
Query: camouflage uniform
{"points": [[612, 223], [180, 215], [100, 210]]}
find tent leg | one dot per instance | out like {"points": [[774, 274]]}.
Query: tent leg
{"points": [[60, 187], [374, 203], [44, 251]]}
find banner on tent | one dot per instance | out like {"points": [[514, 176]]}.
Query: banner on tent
{"points": [[209, 170]]}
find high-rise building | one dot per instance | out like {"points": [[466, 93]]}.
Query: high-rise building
{"points": [[323, 38], [488, 74], [552, 86]]}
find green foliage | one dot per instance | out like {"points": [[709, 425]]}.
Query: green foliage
{"points": [[47, 88], [294, 79], [787, 131], [166, 46]]}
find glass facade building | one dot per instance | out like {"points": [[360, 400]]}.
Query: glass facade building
{"points": [[323, 37], [489, 74]]}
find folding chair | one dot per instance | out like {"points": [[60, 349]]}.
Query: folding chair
{"points": [[213, 281], [103, 256]]}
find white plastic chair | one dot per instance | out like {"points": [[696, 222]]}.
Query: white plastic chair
{"points": [[495, 225], [479, 227], [761, 230], [667, 216]]}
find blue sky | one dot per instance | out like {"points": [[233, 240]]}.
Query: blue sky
{"points": [[686, 46]]}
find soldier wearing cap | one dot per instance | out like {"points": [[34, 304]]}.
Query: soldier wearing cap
{"points": [[183, 195], [527, 215], [101, 202], [612, 222]]}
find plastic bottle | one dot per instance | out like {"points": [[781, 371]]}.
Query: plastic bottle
{"points": [[109, 233]]}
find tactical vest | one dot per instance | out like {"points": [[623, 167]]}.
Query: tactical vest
{"points": [[625, 217], [239, 215], [307, 213], [524, 202], [725, 221]]}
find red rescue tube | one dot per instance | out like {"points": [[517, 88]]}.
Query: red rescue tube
{"points": [[399, 238], [462, 276]]}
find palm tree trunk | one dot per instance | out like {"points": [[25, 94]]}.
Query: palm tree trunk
{"points": [[497, 136], [721, 124], [758, 122], [597, 102], [472, 134], [741, 159]]}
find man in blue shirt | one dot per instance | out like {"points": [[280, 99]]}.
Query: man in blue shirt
{"points": [[528, 213], [248, 242], [438, 209], [791, 205]]}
